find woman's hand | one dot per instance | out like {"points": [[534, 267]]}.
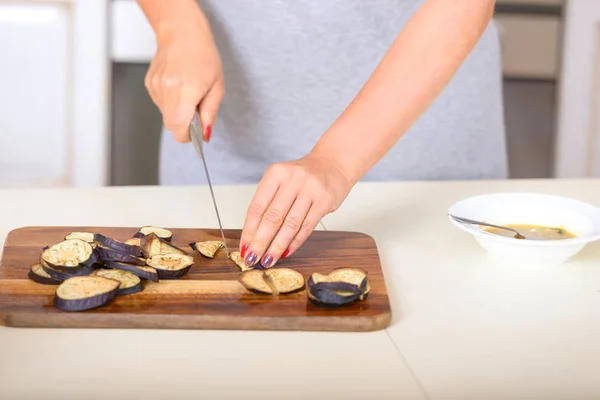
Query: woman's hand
{"points": [[186, 75], [290, 201]]}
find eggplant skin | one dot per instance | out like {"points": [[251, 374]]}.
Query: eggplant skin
{"points": [[84, 304], [166, 274], [113, 244], [39, 275], [148, 273], [337, 286], [130, 290], [326, 298], [114, 255], [331, 298], [341, 287], [109, 292]]}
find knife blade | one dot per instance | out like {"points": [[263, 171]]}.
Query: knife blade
{"points": [[196, 136]]}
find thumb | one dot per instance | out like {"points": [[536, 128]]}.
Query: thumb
{"points": [[209, 108]]}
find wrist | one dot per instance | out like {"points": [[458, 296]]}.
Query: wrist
{"points": [[173, 30], [335, 162], [174, 19]]}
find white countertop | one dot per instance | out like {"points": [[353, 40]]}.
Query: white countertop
{"points": [[175, 364], [462, 327]]}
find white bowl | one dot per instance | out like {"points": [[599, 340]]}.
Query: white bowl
{"points": [[581, 219]]}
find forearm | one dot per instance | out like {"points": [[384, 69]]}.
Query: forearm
{"points": [[169, 17], [415, 70]]}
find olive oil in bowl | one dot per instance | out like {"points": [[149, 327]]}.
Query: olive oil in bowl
{"points": [[534, 232]]}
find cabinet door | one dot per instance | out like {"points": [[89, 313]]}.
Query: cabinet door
{"points": [[34, 72]]}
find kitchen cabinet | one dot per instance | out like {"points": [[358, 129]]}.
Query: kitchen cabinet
{"points": [[35, 94], [578, 135], [54, 71]]}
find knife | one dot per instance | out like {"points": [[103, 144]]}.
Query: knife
{"points": [[196, 136]]}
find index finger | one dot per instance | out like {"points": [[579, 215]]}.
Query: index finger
{"points": [[178, 109]]}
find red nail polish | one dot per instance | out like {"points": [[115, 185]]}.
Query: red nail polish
{"points": [[285, 253], [208, 132], [244, 250]]}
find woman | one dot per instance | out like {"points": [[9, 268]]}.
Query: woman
{"points": [[322, 94]]}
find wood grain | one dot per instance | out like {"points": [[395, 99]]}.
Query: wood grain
{"points": [[208, 297]]}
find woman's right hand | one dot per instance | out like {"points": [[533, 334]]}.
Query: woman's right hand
{"points": [[186, 75]]}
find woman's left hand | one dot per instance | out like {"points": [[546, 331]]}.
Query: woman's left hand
{"points": [[290, 201]]}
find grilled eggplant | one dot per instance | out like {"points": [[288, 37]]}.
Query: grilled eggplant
{"points": [[342, 286], [85, 236], [208, 248], [143, 272], [133, 242], [62, 275], [130, 283], [170, 266], [106, 254], [37, 274], [160, 232], [273, 281], [69, 254], [85, 292], [355, 276], [256, 281], [237, 258], [152, 245], [113, 244]]}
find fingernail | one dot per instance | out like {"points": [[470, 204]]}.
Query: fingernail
{"points": [[285, 253], [267, 261], [208, 133], [244, 250], [251, 259]]}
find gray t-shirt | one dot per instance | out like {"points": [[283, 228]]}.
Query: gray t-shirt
{"points": [[291, 67]]}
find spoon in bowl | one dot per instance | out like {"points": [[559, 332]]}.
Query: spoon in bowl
{"points": [[470, 221]]}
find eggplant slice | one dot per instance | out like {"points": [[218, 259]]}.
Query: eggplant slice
{"points": [[37, 274], [113, 244], [237, 258], [69, 254], [106, 254], [170, 266], [273, 281], [160, 232], [133, 242], [256, 281], [207, 248], [355, 276], [85, 292], [62, 275], [152, 245], [340, 287], [143, 272], [85, 236], [130, 283], [285, 280]]}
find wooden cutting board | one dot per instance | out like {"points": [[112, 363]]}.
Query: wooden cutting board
{"points": [[208, 297]]}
